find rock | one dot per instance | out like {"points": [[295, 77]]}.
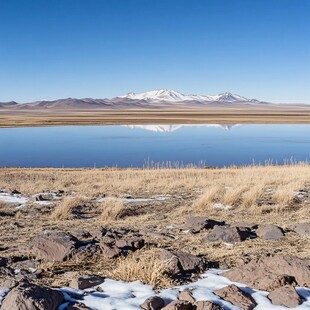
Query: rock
{"points": [[28, 264], [282, 280], [3, 261], [153, 303], [270, 232], [7, 278], [302, 229], [84, 282], [29, 296], [183, 262], [196, 224], [54, 246], [262, 273], [179, 305], [237, 297], [109, 251], [98, 232], [44, 197], [285, 296], [130, 243], [207, 305], [77, 306], [187, 296], [228, 234], [15, 192]]}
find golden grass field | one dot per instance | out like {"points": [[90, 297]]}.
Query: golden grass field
{"points": [[208, 115], [256, 194]]}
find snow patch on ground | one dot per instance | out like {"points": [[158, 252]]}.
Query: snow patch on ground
{"points": [[129, 295], [17, 199], [221, 206], [128, 200]]}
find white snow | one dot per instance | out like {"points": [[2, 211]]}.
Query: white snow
{"points": [[172, 96], [2, 294], [221, 206], [172, 128], [129, 295], [18, 199], [128, 200]]}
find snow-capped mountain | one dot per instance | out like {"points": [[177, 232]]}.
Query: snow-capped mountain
{"points": [[172, 128], [168, 95]]}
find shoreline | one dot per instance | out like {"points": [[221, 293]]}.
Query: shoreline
{"points": [[222, 115]]}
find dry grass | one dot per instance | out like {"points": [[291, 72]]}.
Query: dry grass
{"points": [[111, 210], [65, 209], [144, 266], [6, 209]]}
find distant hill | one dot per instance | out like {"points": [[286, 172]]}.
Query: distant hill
{"points": [[162, 98]]}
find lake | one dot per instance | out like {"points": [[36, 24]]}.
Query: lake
{"points": [[138, 146]]}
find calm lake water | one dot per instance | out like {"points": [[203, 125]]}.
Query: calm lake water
{"points": [[135, 146]]}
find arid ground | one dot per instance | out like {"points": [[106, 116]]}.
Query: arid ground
{"points": [[208, 115], [157, 204]]}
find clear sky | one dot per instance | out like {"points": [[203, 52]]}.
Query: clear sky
{"points": [[53, 49]]}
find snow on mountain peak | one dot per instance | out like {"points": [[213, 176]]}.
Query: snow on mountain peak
{"points": [[169, 95]]}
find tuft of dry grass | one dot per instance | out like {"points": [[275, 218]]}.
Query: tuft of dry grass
{"points": [[65, 209], [111, 210], [6, 209], [144, 266]]}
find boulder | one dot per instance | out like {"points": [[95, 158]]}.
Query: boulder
{"points": [[153, 303], [7, 278], [98, 232], [130, 243], [228, 234], [197, 223], [109, 251], [237, 297], [54, 245], [263, 272], [270, 232], [77, 306], [179, 305], [285, 296], [183, 262], [207, 305], [187, 296], [84, 282], [29, 296], [302, 229]]}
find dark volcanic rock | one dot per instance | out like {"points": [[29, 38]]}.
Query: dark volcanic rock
{"points": [[179, 305], [77, 306], [109, 251], [237, 297], [263, 273], [285, 296], [130, 243], [270, 232], [183, 262], [302, 229], [207, 305], [187, 296], [84, 282], [29, 296], [196, 224], [153, 303], [228, 234], [54, 246]]}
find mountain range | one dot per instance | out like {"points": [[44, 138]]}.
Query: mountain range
{"points": [[152, 99]]}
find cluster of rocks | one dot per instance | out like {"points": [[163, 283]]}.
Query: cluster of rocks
{"points": [[231, 234]]}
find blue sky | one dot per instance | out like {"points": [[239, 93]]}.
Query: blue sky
{"points": [[103, 48]]}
